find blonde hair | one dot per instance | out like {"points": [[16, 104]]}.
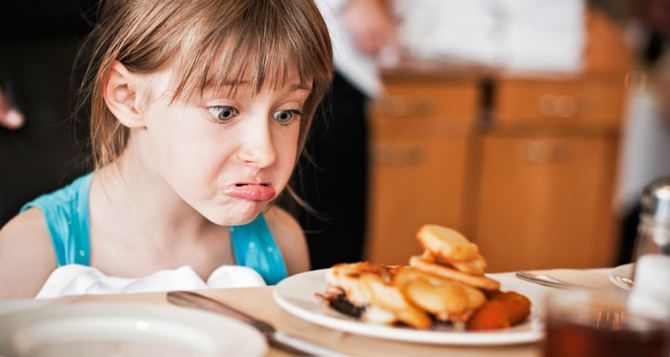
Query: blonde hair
{"points": [[209, 43]]}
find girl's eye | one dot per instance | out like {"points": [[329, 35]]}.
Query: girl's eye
{"points": [[285, 117], [223, 113]]}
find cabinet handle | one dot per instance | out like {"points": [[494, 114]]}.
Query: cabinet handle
{"points": [[558, 106], [384, 155], [542, 152], [399, 106]]}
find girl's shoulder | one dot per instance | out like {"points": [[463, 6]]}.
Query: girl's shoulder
{"points": [[26, 255], [290, 238], [279, 218]]}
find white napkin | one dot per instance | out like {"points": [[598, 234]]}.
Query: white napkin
{"points": [[74, 279]]}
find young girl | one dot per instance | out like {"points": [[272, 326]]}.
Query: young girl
{"points": [[199, 110]]}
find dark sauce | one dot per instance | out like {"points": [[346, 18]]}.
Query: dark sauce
{"points": [[341, 304]]}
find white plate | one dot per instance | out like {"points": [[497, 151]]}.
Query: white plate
{"points": [[622, 276], [97, 329], [296, 295], [10, 306]]}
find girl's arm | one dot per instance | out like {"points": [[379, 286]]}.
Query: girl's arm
{"points": [[290, 239], [26, 255]]}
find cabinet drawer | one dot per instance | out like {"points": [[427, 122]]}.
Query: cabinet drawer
{"points": [[403, 101], [580, 101]]}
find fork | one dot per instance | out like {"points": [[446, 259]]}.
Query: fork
{"points": [[547, 280], [276, 338]]}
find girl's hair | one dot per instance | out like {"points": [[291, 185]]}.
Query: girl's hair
{"points": [[208, 43]]}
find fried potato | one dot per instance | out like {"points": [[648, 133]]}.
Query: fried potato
{"points": [[476, 266], [447, 300], [446, 243], [481, 282], [345, 276], [390, 298]]}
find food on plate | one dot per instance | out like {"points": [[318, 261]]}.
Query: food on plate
{"points": [[346, 277], [481, 282], [445, 284], [503, 309], [446, 243], [390, 298], [446, 300], [365, 290], [475, 266]]}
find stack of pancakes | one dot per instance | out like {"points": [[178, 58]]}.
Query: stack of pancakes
{"points": [[444, 284]]}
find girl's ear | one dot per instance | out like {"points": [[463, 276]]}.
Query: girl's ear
{"points": [[121, 95]]}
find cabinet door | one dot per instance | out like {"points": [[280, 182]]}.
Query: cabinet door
{"points": [[544, 201], [420, 140], [415, 180]]}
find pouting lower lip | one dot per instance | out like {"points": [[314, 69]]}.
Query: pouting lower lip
{"points": [[251, 192]]}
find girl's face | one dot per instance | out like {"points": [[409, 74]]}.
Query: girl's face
{"points": [[226, 154]]}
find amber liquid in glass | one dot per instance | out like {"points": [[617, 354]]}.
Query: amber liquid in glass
{"points": [[606, 333]]}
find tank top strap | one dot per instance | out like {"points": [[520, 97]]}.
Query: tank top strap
{"points": [[66, 214], [254, 247]]}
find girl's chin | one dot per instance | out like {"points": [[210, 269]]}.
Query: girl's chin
{"points": [[237, 216]]}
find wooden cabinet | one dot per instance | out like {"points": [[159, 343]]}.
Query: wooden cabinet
{"points": [[544, 200], [523, 166], [531, 185], [419, 156], [545, 173]]}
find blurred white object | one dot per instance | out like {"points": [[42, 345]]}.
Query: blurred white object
{"points": [[542, 35], [515, 35], [651, 293], [357, 67], [451, 29], [74, 279], [644, 148]]}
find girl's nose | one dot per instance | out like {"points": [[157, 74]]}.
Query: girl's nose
{"points": [[258, 147]]}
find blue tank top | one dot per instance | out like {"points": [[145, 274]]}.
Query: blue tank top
{"points": [[67, 216]]}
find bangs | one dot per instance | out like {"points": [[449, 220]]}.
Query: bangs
{"points": [[258, 49], [206, 44]]}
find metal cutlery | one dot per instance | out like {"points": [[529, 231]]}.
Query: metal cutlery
{"points": [[275, 338], [547, 280]]}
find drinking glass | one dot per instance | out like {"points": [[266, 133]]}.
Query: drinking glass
{"points": [[598, 323]]}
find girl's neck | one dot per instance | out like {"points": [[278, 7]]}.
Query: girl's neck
{"points": [[138, 197]]}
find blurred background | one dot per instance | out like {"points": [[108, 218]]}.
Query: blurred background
{"points": [[529, 125]]}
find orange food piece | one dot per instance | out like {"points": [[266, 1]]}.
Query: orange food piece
{"points": [[490, 316], [504, 309], [518, 306]]}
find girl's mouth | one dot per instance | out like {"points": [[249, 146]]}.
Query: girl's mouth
{"points": [[250, 191]]}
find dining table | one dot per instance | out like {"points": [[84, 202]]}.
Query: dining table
{"points": [[259, 302]]}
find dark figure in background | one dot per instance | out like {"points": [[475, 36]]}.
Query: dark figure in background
{"points": [[39, 40], [333, 179]]}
